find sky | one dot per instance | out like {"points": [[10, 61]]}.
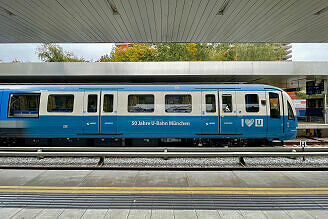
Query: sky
{"points": [[93, 51], [27, 52]]}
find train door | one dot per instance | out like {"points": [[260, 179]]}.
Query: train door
{"points": [[91, 112], [210, 119], [1, 91], [228, 112], [275, 114], [252, 113], [108, 114]]}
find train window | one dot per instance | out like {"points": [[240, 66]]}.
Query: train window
{"points": [[24, 105], [92, 103], [252, 103], [60, 103], [178, 103], [227, 103], [274, 105], [290, 112], [141, 103], [108, 103], [210, 103]]}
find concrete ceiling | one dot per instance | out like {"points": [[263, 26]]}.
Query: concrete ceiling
{"points": [[69, 21]]}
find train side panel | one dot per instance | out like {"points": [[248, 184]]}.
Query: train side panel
{"points": [[231, 113]]}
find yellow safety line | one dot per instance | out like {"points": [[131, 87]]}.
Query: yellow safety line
{"points": [[164, 188], [162, 192]]}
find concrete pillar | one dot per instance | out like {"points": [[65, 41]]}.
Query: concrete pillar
{"points": [[325, 102]]}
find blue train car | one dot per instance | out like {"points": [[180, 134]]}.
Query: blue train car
{"points": [[145, 114]]}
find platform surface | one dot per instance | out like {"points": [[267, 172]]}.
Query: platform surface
{"points": [[162, 194], [311, 125], [168, 179]]}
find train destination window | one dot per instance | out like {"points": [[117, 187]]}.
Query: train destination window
{"points": [[290, 112], [178, 103], [62, 103], [92, 103], [252, 103], [210, 103], [227, 103], [141, 103], [24, 105], [274, 105], [108, 103]]}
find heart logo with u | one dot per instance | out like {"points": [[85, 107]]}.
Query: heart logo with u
{"points": [[249, 122]]}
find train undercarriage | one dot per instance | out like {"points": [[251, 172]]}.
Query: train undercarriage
{"points": [[136, 142]]}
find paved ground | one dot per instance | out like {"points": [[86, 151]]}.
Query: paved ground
{"points": [[56, 193], [19, 213]]}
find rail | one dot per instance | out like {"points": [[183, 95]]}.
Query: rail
{"points": [[163, 152], [166, 152]]}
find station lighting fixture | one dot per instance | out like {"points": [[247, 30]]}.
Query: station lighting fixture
{"points": [[223, 7], [323, 10], [6, 11], [113, 7]]}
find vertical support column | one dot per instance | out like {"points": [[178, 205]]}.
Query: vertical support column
{"points": [[324, 102]]}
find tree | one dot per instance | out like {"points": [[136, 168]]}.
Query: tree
{"points": [[173, 52], [223, 52], [135, 53], [258, 51], [159, 52], [104, 58], [197, 52], [55, 53]]}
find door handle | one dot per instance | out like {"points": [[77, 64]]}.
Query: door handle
{"points": [[91, 123]]}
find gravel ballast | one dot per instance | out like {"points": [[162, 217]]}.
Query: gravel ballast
{"points": [[162, 163]]}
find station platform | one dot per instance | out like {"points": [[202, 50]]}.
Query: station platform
{"points": [[309, 125], [162, 194]]}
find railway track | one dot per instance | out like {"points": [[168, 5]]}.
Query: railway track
{"points": [[163, 158]]}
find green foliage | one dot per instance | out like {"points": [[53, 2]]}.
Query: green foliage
{"points": [[258, 51], [197, 52], [173, 52], [104, 58], [135, 53], [301, 95], [54, 53], [224, 52]]}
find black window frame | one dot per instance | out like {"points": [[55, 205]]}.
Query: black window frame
{"points": [[112, 101], [252, 107], [274, 116], [223, 108], [60, 95], [97, 104], [213, 103], [145, 111], [290, 109], [27, 117], [179, 104]]}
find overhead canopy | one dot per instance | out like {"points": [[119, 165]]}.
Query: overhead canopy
{"points": [[69, 21], [280, 74]]}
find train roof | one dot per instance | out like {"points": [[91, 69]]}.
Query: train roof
{"points": [[137, 87]]}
